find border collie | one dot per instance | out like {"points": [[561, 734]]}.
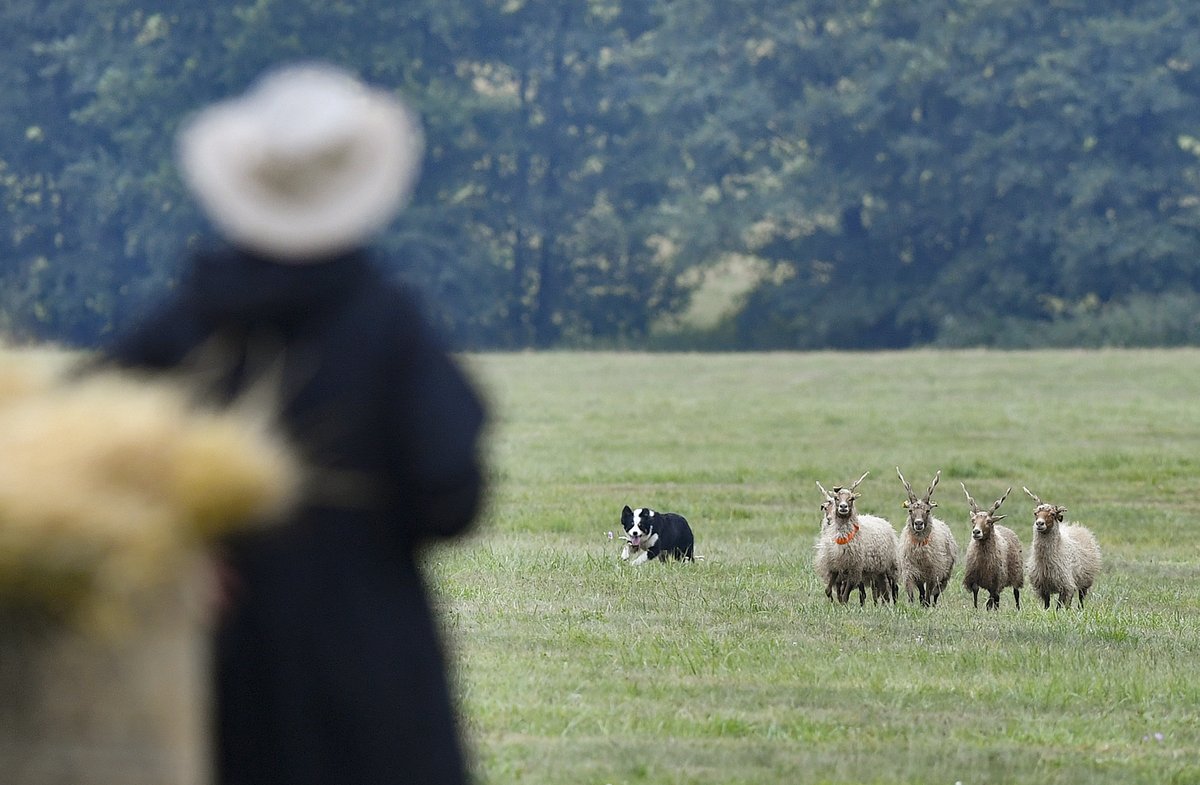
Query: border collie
{"points": [[650, 534]]}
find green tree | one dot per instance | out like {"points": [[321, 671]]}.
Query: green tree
{"points": [[994, 163], [881, 173]]}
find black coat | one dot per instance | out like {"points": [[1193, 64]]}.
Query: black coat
{"points": [[329, 666]]}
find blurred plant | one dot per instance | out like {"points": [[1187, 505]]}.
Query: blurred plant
{"points": [[111, 481]]}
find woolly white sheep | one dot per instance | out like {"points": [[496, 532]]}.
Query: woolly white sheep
{"points": [[838, 582], [821, 554], [1065, 557], [993, 560], [927, 550], [854, 549]]}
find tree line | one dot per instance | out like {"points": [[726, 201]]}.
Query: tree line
{"points": [[747, 174]]}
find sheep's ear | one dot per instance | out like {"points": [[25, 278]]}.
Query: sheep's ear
{"points": [[904, 504], [1058, 513], [932, 503], [999, 517]]}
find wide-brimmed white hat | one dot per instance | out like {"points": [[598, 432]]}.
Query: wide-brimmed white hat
{"points": [[309, 162]]}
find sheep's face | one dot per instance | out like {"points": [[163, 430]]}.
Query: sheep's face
{"points": [[982, 524], [826, 512], [919, 514], [983, 521], [842, 502], [1046, 517], [920, 508]]}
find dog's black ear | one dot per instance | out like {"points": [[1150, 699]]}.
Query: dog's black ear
{"points": [[626, 512]]}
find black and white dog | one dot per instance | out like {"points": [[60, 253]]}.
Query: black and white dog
{"points": [[649, 535]]}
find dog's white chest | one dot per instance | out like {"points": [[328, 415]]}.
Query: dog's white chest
{"points": [[642, 550]]}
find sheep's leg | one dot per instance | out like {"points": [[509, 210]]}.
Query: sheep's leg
{"points": [[862, 593], [975, 596], [923, 588], [1082, 594], [833, 587], [1064, 599], [1045, 595], [1017, 597], [993, 603], [881, 590]]}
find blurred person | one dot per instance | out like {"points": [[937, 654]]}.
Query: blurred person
{"points": [[328, 665]]}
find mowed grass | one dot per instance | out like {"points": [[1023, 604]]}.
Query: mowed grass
{"points": [[573, 667]]}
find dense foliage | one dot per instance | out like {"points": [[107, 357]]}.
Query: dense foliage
{"points": [[808, 173]]}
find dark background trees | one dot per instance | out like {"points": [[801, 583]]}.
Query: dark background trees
{"points": [[660, 173]]}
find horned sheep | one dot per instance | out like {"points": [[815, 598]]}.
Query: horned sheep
{"points": [[1065, 557], [855, 550], [927, 549], [993, 559]]}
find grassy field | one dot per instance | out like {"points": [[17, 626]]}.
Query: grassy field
{"points": [[575, 668]]}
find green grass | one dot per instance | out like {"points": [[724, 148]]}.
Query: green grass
{"points": [[575, 668]]}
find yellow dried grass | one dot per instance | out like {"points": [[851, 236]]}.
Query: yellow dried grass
{"points": [[108, 480]]}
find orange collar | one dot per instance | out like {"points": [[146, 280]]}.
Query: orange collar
{"points": [[848, 537]]}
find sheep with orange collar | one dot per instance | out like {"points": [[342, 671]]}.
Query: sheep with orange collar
{"points": [[1065, 558], [855, 549], [927, 549]]}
